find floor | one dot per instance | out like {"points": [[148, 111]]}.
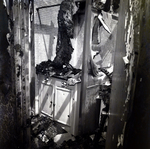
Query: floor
{"points": [[47, 134]]}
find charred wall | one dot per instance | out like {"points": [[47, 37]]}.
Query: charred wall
{"points": [[15, 73], [137, 132], [8, 133]]}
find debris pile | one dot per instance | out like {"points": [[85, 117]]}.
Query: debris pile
{"points": [[82, 142], [47, 69], [43, 131]]}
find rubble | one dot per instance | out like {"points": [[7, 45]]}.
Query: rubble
{"points": [[47, 69], [82, 142], [43, 130]]}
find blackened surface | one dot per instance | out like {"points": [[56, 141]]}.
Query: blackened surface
{"points": [[138, 128], [8, 137], [105, 97], [82, 142], [46, 68], [44, 130], [7, 100], [107, 5], [64, 48]]}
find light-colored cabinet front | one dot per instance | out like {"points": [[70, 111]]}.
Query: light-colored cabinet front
{"points": [[46, 102], [63, 105], [55, 102], [59, 102]]}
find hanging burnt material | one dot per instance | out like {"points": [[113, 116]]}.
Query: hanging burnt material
{"points": [[64, 47], [60, 65]]}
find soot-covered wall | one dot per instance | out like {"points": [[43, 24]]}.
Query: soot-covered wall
{"points": [[7, 101]]}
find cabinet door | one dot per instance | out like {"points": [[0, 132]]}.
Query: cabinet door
{"points": [[63, 105], [46, 99]]}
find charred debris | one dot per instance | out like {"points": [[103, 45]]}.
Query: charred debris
{"points": [[47, 69], [44, 129]]}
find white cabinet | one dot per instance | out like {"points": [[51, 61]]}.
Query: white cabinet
{"points": [[59, 102]]}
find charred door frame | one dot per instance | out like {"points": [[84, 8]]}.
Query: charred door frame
{"points": [[22, 52]]}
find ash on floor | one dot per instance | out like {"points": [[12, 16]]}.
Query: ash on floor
{"points": [[45, 134], [43, 131]]}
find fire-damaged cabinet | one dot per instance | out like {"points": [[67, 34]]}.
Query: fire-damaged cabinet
{"points": [[60, 102]]}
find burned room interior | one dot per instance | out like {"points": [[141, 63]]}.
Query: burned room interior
{"points": [[74, 74]]}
